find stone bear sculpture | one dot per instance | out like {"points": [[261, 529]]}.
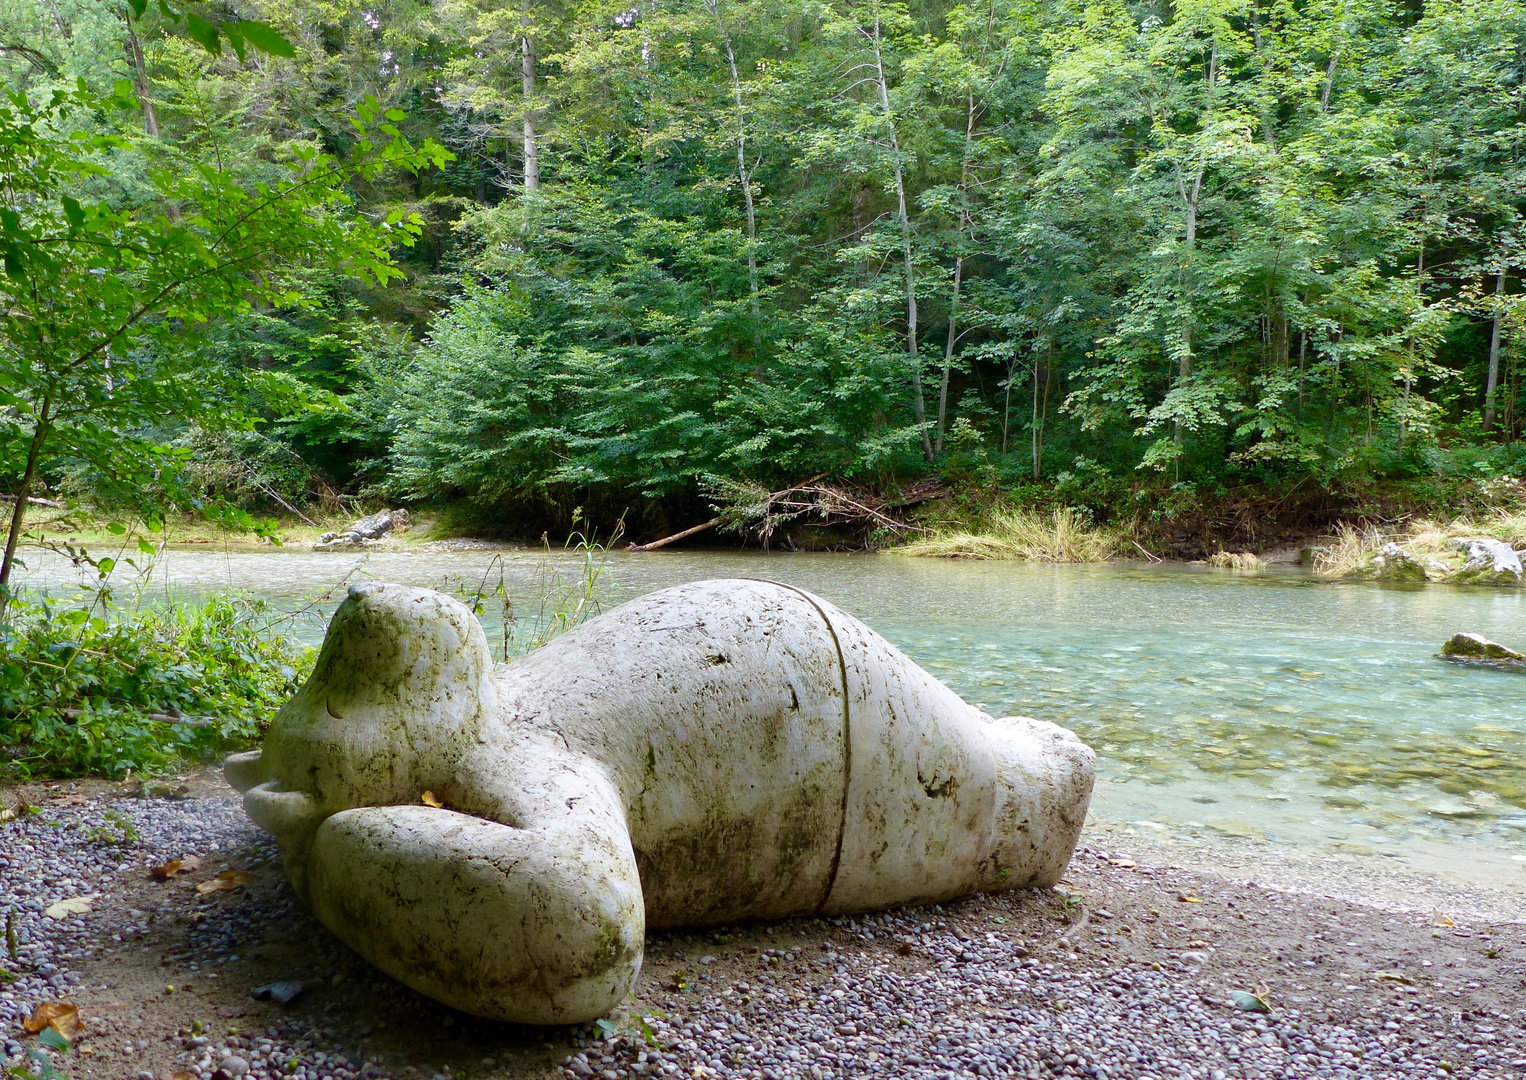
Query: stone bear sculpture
{"points": [[715, 752]]}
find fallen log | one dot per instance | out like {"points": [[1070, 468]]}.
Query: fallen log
{"points": [[666, 540]]}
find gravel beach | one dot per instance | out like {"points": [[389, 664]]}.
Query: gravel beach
{"points": [[1128, 970]]}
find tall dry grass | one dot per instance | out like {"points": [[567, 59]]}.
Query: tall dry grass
{"points": [[1022, 535], [1352, 547], [1236, 560]]}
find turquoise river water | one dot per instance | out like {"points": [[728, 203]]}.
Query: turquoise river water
{"points": [[1270, 706]]}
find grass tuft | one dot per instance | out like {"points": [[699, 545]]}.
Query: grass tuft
{"points": [[1236, 560], [1024, 535]]}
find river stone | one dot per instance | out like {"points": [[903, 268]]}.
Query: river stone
{"points": [[716, 752], [1393, 563], [1488, 562], [1477, 649]]}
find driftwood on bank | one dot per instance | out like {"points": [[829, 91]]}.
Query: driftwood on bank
{"points": [[33, 500], [666, 540], [751, 508]]}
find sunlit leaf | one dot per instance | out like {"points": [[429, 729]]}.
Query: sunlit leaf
{"points": [[265, 39]]}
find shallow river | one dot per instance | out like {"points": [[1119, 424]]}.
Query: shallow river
{"points": [[1267, 706]]}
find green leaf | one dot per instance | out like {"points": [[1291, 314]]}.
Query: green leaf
{"points": [[203, 33], [265, 39], [116, 528], [397, 116], [139, 8], [74, 213], [235, 38], [53, 1040]]}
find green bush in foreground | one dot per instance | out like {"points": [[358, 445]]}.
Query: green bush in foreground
{"points": [[92, 688]]}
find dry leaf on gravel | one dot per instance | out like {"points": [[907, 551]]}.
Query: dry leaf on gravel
{"points": [[1244, 999], [183, 865], [1394, 976], [180, 1074], [224, 882], [1123, 864], [429, 798], [61, 1016], [74, 905]]}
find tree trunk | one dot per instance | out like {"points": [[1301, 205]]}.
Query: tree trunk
{"points": [[948, 354], [18, 515], [527, 81], [1409, 369], [1494, 353], [1006, 410], [1040, 411], [965, 233], [919, 402], [743, 176], [140, 81]]}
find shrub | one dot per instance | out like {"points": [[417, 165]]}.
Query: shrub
{"points": [[89, 687]]}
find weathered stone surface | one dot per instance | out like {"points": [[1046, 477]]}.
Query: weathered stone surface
{"points": [[1489, 562], [715, 752], [1477, 649]]}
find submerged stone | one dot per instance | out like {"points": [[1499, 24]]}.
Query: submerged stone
{"points": [[715, 752]]}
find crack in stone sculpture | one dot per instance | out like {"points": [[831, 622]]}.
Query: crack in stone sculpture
{"points": [[716, 752]]}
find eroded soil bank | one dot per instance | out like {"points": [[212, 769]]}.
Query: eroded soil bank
{"points": [[1125, 971]]}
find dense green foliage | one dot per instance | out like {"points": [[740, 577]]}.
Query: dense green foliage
{"points": [[1085, 244], [90, 687]]}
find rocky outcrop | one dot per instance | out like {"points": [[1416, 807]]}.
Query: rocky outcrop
{"points": [[1477, 649], [366, 531], [716, 752], [1487, 562]]}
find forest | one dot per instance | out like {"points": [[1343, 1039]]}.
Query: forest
{"points": [[601, 258]]}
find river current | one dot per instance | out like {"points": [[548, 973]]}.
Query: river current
{"points": [[1267, 706]]}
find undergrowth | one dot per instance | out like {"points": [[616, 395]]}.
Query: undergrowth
{"points": [[89, 687]]}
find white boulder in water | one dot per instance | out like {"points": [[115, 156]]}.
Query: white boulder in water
{"points": [[715, 752], [1393, 563], [1488, 561], [1477, 649]]}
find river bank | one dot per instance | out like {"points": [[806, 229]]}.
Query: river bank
{"points": [[1125, 971]]}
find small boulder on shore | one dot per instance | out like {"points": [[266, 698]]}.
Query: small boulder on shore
{"points": [[368, 530], [1477, 649]]}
